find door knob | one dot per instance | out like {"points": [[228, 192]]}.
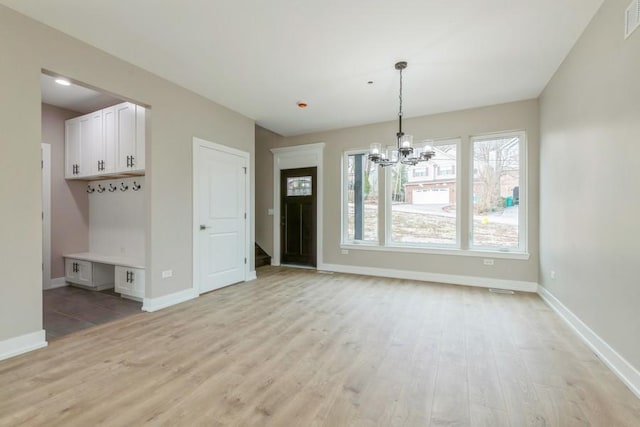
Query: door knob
{"points": [[203, 227]]}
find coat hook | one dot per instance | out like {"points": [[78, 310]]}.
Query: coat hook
{"points": [[123, 187], [90, 189], [136, 186], [112, 188], [101, 188]]}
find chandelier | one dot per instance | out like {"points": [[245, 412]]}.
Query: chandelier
{"points": [[404, 152]]}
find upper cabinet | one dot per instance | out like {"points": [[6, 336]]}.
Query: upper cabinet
{"points": [[106, 143]]}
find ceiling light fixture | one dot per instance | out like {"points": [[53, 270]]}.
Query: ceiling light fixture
{"points": [[302, 104], [63, 82], [404, 153]]}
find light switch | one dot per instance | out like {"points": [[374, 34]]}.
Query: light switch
{"points": [[270, 212]]}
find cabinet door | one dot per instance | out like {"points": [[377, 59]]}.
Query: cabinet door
{"points": [[72, 147], [126, 135], [110, 145], [94, 144], [77, 271], [86, 145], [138, 161], [129, 281]]}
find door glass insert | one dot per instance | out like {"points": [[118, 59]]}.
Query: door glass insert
{"points": [[299, 186]]}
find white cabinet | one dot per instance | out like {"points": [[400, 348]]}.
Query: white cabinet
{"points": [[106, 143], [88, 274], [129, 282]]}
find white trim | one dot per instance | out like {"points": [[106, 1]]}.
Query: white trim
{"points": [[251, 276], [482, 282], [523, 215], [22, 344], [155, 304], [58, 282], [299, 156], [614, 361], [46, 215], [365, 246], [198, 142]]}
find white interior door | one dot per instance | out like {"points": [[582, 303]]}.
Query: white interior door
{"points": [[221, 229], [46, 215]]}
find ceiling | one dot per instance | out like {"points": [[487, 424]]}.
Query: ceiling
{"points": [[260, 57], [74, 97]]}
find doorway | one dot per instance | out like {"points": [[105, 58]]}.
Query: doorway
{"points": [[298, 190], [45, 167], [221, 231]]}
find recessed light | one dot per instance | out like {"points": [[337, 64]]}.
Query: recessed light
{"points": [[302, 104], [63, 82]]}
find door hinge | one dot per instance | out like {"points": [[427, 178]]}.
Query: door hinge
{"points": [[245, 215], [245, 260], [245, 169]]}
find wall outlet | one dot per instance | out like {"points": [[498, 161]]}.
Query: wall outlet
{"points": [[552, 274], [487, 261], [345, 252], [167, 274]]}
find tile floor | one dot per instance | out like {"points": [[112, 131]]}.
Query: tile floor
{"points": [[69, 309]]}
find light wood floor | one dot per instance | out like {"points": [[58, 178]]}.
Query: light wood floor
{"points": [[300, 348]]}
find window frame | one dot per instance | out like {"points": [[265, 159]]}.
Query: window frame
{"points": [[388, 204], [522, 196], [344, 204]]}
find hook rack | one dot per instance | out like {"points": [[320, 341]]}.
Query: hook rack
{"points": [[123, 187], [136, 186], [101, 188], [112, 188], [90, 189]]}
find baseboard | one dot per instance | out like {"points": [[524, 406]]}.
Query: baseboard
{"points": [[22, 344], [614, 361], [251, 276], [483, 282], [58, 282], [155, 304]]}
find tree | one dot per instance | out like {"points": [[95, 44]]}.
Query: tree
{"points": [[493, 159]]}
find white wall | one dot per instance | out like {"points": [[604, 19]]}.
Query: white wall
{"points": [[176, 116], [590, 170], [117, 219], [459, 124]]}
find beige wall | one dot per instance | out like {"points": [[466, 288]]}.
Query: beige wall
{"points": [[513, 116], [177, 115], [265, 141], [590, 170], [69, 201]]}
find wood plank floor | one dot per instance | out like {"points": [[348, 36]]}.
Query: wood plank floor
{"points": [[301, 348]]}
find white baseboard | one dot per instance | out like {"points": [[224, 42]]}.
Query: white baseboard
{"points": [[22, 344], [251, 276], [58, 282], [155, 304], [618, 364], [483, 282]]}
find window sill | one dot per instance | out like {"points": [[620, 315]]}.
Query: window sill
{"points": [[437, 251]]}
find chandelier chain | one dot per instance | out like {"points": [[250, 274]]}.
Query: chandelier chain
{"points": [[400, 112]]}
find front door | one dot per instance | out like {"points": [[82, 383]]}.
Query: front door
{"points": [[222, 216], [298, 216]]}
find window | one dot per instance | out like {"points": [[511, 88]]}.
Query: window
{"points": [[299, 186], [360, 193], [497, 197], [423, 209]]}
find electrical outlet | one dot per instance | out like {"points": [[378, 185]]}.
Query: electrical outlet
{"points": [[167, 274], [552, 274], [270, 212], [488, 261], [345, 252]]}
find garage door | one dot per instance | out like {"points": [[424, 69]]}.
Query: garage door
{"points": [[433, 196]]}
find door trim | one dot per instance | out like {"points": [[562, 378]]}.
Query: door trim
{"points": [[46, 215], [299, 156], [197, 143]]}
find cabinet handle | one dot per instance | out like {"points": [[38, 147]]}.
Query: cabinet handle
{"points": [[132, 161], [128, 160]]}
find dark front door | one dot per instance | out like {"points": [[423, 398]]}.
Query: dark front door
{"points": [[298, 216]]}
